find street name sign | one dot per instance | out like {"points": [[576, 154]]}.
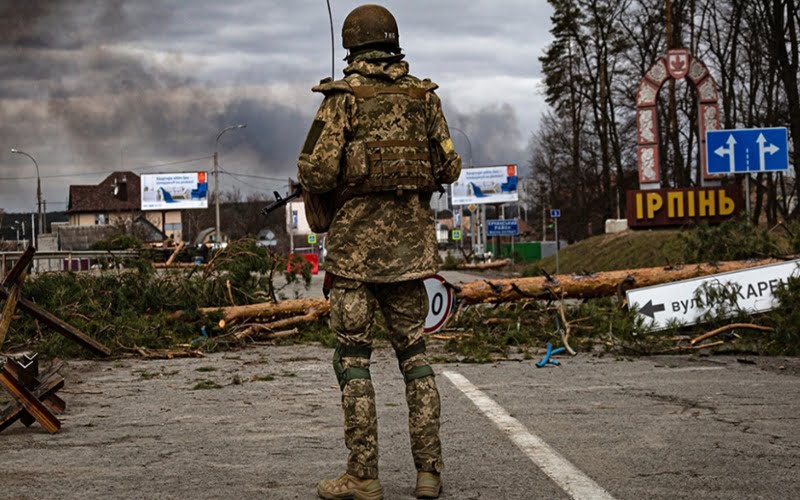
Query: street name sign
{"points": [[502, 227], [747, 150], [685, 302]]}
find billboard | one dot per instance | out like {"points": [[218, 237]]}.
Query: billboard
{"points": [[484, 185], [176, 191], [296, 218]]}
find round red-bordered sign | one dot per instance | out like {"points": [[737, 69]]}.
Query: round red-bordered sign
{"points": [[440, 302]]}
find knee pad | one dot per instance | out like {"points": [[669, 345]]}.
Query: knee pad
{"points": [[344, 375], [417, 371]]}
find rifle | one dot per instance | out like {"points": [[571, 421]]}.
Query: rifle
{"points": [[281, 201]]}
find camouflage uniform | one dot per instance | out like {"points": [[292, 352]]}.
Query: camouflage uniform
{"points": [[379, 246]]}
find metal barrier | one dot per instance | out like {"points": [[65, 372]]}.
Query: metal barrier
{"points": [[44, 262]]}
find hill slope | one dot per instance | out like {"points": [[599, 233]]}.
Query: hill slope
{"points": [[609, 252]]}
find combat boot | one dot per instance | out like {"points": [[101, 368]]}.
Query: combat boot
{"points": [[348, 487], [429, 485]]}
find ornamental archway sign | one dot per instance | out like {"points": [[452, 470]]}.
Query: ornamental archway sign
{"points": [[657, 205]]}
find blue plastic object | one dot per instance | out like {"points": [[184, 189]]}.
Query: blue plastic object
{"points": [[203, 333], [548, 355]]}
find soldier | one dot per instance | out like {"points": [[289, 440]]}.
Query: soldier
{"points": [[377, 151]]}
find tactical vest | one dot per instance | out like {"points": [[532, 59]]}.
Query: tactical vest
{"points": [[390, 150]]}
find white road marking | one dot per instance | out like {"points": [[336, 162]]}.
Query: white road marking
{"points": [[574, 482]]}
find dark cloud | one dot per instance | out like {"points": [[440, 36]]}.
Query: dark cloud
{"points": [[91, 86]]}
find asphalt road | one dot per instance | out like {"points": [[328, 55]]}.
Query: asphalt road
{"points": [[652, 428]]}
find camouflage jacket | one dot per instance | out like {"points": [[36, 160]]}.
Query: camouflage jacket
{"points": [[380, 237]]}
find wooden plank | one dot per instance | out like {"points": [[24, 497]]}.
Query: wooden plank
{"points": [[56, 324], [56, 404], [15, 411], [8, 312], [175, 253], [32, 405], [19, 268]]}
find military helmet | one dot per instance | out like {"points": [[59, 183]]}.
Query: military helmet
{"points": [[370, 24]]}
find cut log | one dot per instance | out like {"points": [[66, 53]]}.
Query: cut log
{"points": [[480, 266], [270, 309], [602, 284]]}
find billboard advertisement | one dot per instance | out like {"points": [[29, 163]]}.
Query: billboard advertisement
{"points": [[174, 191], [296, 218], [484, 185]]}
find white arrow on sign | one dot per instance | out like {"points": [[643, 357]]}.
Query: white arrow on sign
{"points": [[686, 302], [763, 149], [729, 151]]}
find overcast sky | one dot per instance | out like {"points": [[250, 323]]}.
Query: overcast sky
{"points": [[92, 86]]}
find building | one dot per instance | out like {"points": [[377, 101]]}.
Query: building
{"points": [[116, 201]]}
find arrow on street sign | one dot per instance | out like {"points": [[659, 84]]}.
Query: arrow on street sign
{"points": [[730, 152], [763, 150], [650, 310]]}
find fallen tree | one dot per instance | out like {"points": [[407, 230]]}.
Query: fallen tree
{"points": [[604, 284], [585, 286]]}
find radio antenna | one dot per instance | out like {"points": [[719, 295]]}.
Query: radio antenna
{"points": [[330, 17]]}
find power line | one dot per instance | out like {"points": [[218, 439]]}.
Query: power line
{"points": [[263, 177], [145, 167]]}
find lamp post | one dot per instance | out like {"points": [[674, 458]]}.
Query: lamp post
{"points": [[216, 179], [38, 194], [472, 215]]}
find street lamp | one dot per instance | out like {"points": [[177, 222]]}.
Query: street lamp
{"points": [[469, 144], [38, 193], [216, 178], [472, 216]]}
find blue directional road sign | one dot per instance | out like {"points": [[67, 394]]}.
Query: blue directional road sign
{"points": [[502, 227], [555, 213], [747, 150]]}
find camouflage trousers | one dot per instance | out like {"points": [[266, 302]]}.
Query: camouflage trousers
{"points": [[404, 306]]}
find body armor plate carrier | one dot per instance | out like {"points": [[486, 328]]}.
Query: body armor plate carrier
{"points": [[386, 155]]}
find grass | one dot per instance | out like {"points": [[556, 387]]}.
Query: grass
{"points": [[611, 252]]}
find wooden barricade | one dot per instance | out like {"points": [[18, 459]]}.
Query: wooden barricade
{"points": [[36, 398]]}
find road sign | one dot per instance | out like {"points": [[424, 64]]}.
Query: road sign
{"points": [[440, 302], [747, 150], [312, 239], [685, 302], [555, 213], [456, 235], [502, 227]]}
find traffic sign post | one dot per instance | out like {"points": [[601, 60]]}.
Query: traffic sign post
{"points": [[742, 151], [555, 214], [685, 302]]}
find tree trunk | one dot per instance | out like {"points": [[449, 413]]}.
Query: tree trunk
{"points": [[590, 286]]}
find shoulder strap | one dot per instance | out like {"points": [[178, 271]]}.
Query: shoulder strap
{"points": [[329, 86]]}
